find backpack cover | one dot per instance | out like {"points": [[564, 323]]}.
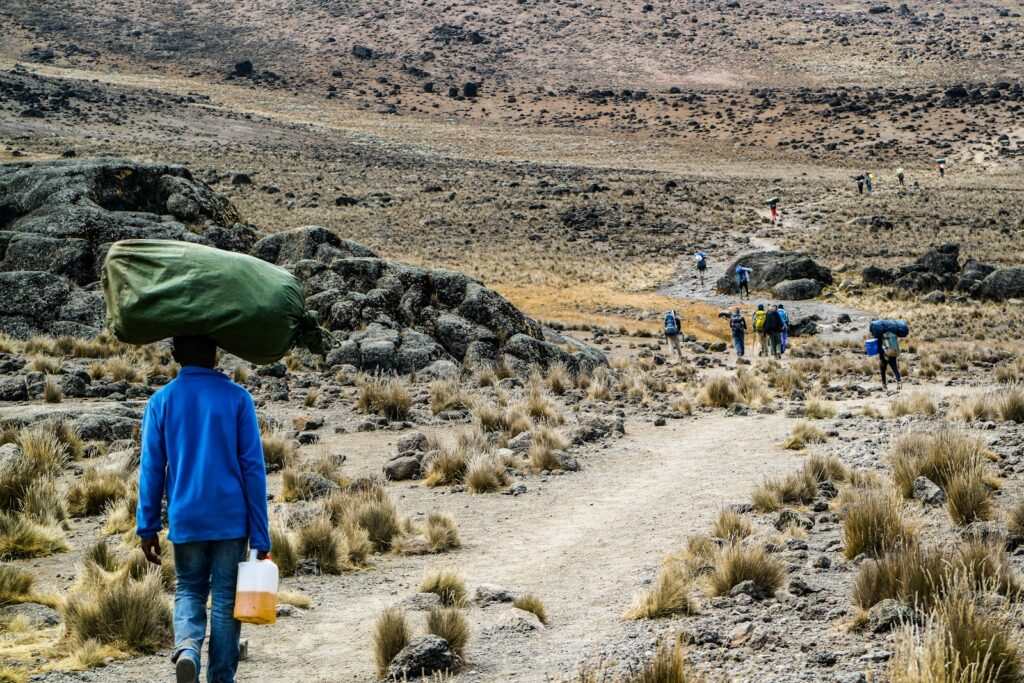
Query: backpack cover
{"points": [[878, 328], [671, 324]]}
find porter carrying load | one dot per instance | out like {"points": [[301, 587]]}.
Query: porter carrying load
{"points": [[155, 289]]}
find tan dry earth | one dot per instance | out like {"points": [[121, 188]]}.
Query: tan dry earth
{"points": [[584, 543]]}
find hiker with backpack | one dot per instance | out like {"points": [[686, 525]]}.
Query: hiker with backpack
{"points": [[738, 325], [885, 334], [773, 331], [757, 322], [743, 281], [900, 177], [869, 178], [673, 331], [773, 206], [940, 164], [785, 327], [860, 183], [702, 264]]}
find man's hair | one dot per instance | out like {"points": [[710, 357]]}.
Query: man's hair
{"points": [[194, 350], [760, 307]]}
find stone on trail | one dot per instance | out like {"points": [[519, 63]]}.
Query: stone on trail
{"points": [[888, 614], [489, 593], [522, 621], [928, 492], [423, 656]]}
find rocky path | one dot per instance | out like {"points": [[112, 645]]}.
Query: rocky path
{"points": [[585, 543]]}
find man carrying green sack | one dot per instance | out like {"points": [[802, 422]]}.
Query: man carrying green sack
{"points": [[201, 444]]}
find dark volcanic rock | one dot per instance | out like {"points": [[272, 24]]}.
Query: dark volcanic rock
{"points": [[1002, 284], [772, 267], [423, 656], [796, 290]]}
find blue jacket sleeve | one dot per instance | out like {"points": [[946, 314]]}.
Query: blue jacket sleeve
{"points": [[254, 475], [152, 473]]}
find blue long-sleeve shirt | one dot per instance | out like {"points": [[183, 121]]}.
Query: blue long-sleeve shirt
{"points": [[201, 444]]}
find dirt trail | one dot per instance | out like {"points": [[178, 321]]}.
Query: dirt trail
{"points": [[584, 543]]}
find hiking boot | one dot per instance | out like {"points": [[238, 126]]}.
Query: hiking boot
{"points": [[185, 670]]}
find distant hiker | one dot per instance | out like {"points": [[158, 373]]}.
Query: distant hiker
{"points": [[899, 177], [868, 179], [757, 322], [673, 330], [886, 333], [860, 183], [201, 447], [785, 326], [702, 264], [743, 281], [738, 325], [773, 206], [773, 331], [940, 164]]}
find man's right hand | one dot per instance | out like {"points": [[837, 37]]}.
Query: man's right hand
{"points": [[151, 549]]}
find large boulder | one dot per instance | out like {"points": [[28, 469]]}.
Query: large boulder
{"points": [[971, 276], [941, 260], [310, 242], [1002, 284], [423, 656], [772, 267], [33, 302], [796, 290]]}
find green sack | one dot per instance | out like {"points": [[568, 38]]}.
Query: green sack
{"points": [[155, 289]]}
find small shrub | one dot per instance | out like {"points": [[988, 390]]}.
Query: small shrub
{"points": [[311, 397], [736, 563], [44, 504], [804, 433], [101, 556], [15, 584], [447, 394], [540, 407], [910, 574], [49, 366], [283, 551], [917, 403], [669, 595], [441, 532], [122, 370], [128, 614], [358, 546], [823, 468], [962, 642], [816, 409], [318, 540], [558, 379], [485, 474], [294, 599], [450, 624], [92, 654], [52, 392], [96, 489], [43, 450], [20, 537], [1015, 518], [375, 512], [682, 406], [1011, 404], [448, 467], [668, 665], [240, 375], [968, 499], [718, 393], [937, 455], [390, 635], [732, 526], [532, 604], [799, 487], [386, 397], [873, 524], [447, 585], [278, 451]]}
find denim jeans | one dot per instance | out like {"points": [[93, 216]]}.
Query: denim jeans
{"points": [[204, 568], [737, 342]]}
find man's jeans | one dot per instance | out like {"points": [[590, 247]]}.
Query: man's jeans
{"points": [[737, 341], [203, 568]]}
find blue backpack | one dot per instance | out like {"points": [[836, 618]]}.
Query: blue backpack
{"points": [[671, 324], [879, 328]]}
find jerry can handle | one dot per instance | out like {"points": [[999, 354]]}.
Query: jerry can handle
{"points": [[252, 555]]}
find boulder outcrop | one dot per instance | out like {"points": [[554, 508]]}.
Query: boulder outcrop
{"points": [[772, 267]]}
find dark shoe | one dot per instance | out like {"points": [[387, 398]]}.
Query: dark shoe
{"points": [[185, 670]]}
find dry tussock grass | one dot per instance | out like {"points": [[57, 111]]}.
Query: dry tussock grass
{"points": [[816, 409], [15, 584], [385, 397], [732, 526], [804, 433], [20, 538], [284, 554], [873, 523], [441, 532], [532, 604], [370, 508], [447, 394], [1003, 405], [131, 615], [452, 625], [735, 564], [964, 640], [279, 451], [796, 488], [669, 595], [486, 474], [95, 491], [318, 540], [937, 455], [390, 634], [917, 403], [447, 585]]}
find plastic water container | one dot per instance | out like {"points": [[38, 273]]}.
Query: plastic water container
{"points": [[871, 347], [256, 591]]}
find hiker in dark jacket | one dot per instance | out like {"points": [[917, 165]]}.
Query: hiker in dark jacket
{"points": [[201, 447], [773, 330], [738, 325], [888, 354]]}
